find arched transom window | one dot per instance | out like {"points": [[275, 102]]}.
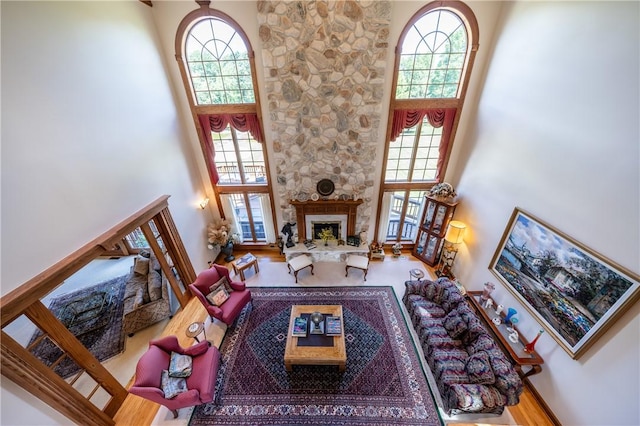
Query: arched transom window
{"points": [[218, 64]]}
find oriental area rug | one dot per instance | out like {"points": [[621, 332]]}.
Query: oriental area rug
{"points": [[383, 384], [94, 315]]}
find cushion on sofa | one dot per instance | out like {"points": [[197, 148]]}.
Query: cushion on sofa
{"points": [[154, 285], [479, 369], [474, 398], [454, 324], [138, 300], [141, 265], [154, 264]]}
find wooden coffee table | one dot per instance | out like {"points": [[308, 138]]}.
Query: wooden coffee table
{"points": [[295, 354]]}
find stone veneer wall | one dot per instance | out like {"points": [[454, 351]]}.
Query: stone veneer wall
{"points": [[324, 70]]}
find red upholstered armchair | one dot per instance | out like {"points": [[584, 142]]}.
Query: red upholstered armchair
{"points": [[200, 384], [230, 309]]}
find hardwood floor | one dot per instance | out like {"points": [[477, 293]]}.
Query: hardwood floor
{"points": [[138, 411]]}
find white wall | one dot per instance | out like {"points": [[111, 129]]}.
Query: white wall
{"points": [[556, 134], [90, 134]]}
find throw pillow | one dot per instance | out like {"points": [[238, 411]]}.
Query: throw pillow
{"points": [[141, 265], [479, 369], [154, 264], [180, 365], [139, 300], [222, 281], [454, 324], [154, 282], [218, 296], [172, 386]]}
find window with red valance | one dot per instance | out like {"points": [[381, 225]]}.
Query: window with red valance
{"points": [[434, 58]]}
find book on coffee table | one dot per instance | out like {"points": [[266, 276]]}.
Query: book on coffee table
{"points": [[333, 326], [299, 327]]}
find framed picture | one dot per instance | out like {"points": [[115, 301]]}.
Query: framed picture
{"points": [[575, 293]]}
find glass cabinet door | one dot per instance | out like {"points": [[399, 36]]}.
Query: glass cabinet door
{"points": [[429, 211], [439, 221]]}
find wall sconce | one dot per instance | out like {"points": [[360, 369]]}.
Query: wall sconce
{"points": [[204, 203], [453, 237]]}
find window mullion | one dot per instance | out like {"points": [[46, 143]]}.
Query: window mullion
{"points": [[416, 141], [236, 147]]}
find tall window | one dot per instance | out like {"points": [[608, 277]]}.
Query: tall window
{"points": [[218, 70], [432, 69]]}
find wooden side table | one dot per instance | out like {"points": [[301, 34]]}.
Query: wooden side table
{"points": [[194, 330], [514, 350], [245, 262]]}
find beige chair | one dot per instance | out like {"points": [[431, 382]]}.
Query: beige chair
{"points": [[299, 262], [359, 262]]}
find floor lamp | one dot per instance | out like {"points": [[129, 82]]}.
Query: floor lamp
{"points": [[453, 237]]}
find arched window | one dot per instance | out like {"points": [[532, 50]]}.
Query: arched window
{"points": [[433, 64], [217, 66]]}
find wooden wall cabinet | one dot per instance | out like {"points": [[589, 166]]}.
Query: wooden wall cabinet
{"points": [[436, 216]]}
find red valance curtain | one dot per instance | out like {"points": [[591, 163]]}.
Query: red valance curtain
{"points": [[219, 122], [406, 118]]}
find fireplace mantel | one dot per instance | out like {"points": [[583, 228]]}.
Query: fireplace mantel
{"points": [[329, 207]]}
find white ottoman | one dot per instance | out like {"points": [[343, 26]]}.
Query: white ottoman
{"points": [[355, 261], [300, 262]]}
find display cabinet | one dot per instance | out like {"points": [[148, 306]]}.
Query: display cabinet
{"points": [[436, 216]]}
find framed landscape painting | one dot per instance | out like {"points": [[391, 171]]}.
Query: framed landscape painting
{"points": [[572, 291]]}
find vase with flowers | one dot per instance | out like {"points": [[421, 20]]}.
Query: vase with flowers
{"points": [[325, 235], [220, 234]]}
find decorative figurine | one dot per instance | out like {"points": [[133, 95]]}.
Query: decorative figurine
{"points": [[499, 309], [288, 231], [531, 346], [488, 304], [486, 292]]}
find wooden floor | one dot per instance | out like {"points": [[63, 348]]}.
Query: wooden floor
{"points": [[138, 411]]}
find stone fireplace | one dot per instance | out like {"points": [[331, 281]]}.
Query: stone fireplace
{"points": [[324, 67]]}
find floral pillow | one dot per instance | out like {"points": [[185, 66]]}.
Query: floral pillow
{"points": [[172, 386], [479, 369], [222, 282], [218, 296], [180, 365]]}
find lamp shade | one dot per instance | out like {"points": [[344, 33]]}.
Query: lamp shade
{"points": [[455, 232]]}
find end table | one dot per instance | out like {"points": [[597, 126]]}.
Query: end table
{"points": [[194, 330]]}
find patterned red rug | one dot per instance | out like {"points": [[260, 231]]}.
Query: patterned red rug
{"points": [[383, 383]]}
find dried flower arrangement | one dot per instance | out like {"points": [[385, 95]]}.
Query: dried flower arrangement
{"points": [[444, 190], [219, 234]]}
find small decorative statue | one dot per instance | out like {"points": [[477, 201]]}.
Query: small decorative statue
{"points": [[288, 231], [488, 304]]}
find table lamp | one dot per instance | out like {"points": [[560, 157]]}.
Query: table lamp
{"points": [[453, 237]]}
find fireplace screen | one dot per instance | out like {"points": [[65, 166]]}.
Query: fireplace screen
{"points": [[317, 227]]}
